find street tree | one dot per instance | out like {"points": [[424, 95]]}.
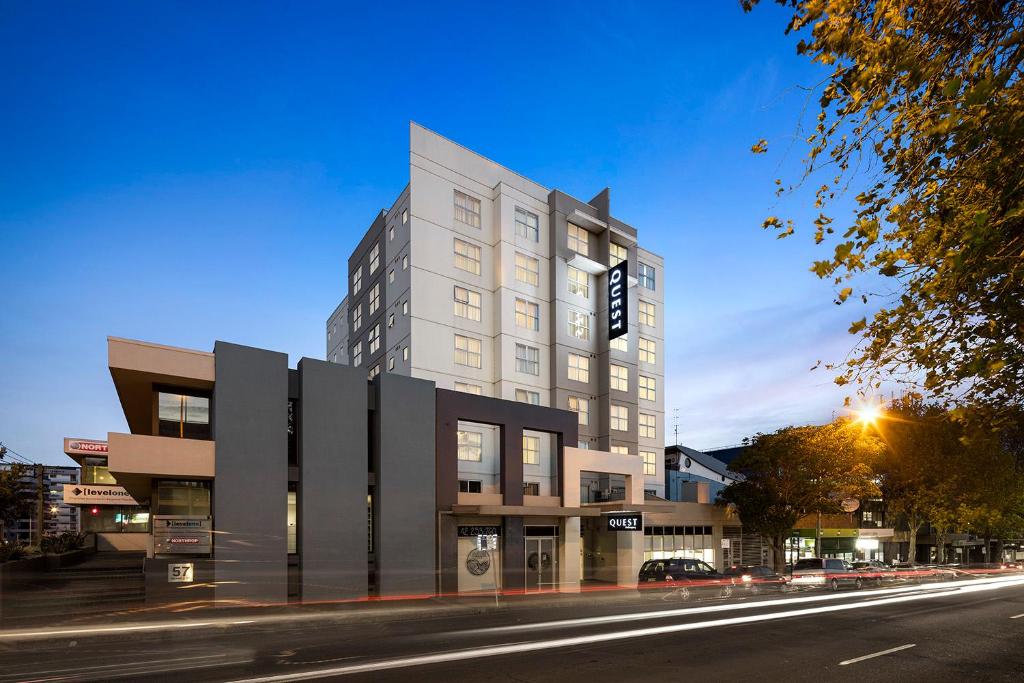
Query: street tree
{"points": [[797, 471], [920, 119], [16, 496]]}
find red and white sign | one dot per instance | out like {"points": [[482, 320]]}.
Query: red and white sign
{"points": [[84, 447]]}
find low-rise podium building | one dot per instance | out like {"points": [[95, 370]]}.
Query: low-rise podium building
{"points": [[267, 483]]}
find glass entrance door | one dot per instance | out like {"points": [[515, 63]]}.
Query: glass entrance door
{"points": [[541, 563]]}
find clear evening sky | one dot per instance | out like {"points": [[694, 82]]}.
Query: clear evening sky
{"points": [[181, 173]]}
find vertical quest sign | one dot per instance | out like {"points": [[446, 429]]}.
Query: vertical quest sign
{"points": [[618, 289]]}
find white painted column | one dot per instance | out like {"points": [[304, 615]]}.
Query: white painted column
{"points": [[569, 556]]}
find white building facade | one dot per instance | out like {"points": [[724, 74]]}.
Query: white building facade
{"points": [[484, 281]]}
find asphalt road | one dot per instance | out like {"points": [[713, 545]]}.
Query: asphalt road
{"points": [[952, 631]]}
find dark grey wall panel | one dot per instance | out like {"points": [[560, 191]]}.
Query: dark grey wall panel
{"points": [[332, 488], [404, 467], [250, 426]]}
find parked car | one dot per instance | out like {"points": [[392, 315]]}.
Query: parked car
{"points": [[825, 572], [875, 571], [755, 579], [682, 579]]}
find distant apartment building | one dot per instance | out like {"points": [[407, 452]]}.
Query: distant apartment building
{"points": [[58, 517], [486, 282]]}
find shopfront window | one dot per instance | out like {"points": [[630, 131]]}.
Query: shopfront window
{"points": [[695, 542], [187, 498], [94, 471], [183, 416], [115, 519]]}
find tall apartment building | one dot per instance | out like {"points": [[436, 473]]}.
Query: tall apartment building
{"points": [[486, 282], [58, 517]]}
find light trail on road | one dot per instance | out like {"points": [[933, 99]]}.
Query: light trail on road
{"points": [[575, 641]]}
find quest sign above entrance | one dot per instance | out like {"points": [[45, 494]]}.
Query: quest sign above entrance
{"points": [[618, 290], [625, 521]]}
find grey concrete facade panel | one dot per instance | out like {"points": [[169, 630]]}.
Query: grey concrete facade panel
{"points": [[404, 505], [250, 427], [333, 446]]}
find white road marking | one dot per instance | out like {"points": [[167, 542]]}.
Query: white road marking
{"points": [[1017, 616], [877, 654], [517, 648]]}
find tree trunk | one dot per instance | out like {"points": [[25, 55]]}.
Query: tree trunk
{"points": [[778, 554], [912, 550], [940, 547]]}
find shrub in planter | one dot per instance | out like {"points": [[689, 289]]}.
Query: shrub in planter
{"points": [[12, 551], [55, 544]]}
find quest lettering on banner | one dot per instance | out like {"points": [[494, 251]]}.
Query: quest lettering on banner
{"points": [[618, 293]]}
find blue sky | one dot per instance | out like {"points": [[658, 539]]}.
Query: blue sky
{"points": [[182, 173]]}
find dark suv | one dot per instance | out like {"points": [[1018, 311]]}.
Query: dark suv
{"points": [[682, 578]]}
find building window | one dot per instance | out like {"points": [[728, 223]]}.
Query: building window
{"points": [[650, 462], [585, 445], [405, 353], [581, 407], [467, 351], [616, 254], [619, 377], [619, 418], [648, 388], [579, 240], [527, 269], [357, 280], [467, 388], [531, 488], [391, 234], [526, 225], [620, 450], [375, 257], [374, 298], [579, 282], [469, 486], [525, 396], [467, 303], [527, 359], [467, 257], [648, 351], [405, 307], [645, 275], [357, 317], [405, 262], [391, 363], [183, 416], [391, 320], [527, 315], [646, 310], [531, 450], [467, 209], [579, 368], [357, 355], [648, 426], [374, 371], [405, 216], [373, 340], [391, 276], [579, 325], [620, 343], [471, 446]]}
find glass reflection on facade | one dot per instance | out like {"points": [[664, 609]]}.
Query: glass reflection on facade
{"points": [[183, 416]]}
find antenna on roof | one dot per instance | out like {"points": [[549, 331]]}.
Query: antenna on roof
{"points": [[675, 423]]}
